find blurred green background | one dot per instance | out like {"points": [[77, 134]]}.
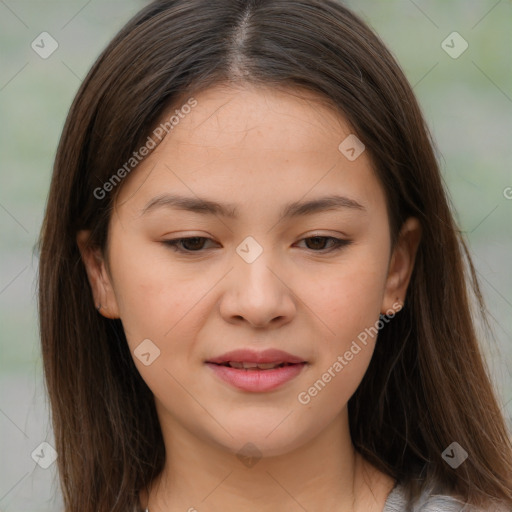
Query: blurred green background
{"points": [[467, 102]]}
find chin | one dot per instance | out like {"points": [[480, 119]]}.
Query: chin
{"points": [[263, 440]]}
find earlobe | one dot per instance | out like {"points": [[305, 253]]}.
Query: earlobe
{"points": [[99, 279], [401, 265]]}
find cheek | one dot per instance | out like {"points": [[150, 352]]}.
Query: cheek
{"points": [[347, 301], [156, 299], [346, 297], [162, 310]]}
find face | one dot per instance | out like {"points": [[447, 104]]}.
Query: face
{"points": [[275, 267]]}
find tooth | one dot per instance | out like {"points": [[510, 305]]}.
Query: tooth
{"points": [[254, 366], [250, 365], [267, 366]]}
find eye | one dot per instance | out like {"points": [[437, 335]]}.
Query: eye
{"points": [[195, 244], [184, 245], [318, 243]]}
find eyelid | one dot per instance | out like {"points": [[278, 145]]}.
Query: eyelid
{"points": [[339, 243]]}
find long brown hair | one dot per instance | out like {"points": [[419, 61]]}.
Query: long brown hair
{"points": [[427, 385]]}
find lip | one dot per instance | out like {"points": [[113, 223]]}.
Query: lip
{"points": [[251, 356], [257, 380]]}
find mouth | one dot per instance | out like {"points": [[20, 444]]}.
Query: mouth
{"points": [[256, 372], [254, 366], [249, 358]]}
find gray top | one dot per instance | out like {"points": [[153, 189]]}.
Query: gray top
{"points": [[429, 501]]}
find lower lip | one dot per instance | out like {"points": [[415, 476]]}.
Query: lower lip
{"points": [[257, 380]]}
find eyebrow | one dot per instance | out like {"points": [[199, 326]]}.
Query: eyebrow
{"points": [[290, 210]]}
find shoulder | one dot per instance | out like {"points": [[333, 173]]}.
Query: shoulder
{"points": [[431, 501], [427, 502]]}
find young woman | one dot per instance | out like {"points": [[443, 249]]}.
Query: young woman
{"points": [[253, 295]]}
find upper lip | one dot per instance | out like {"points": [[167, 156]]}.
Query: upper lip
{"points": [[252, 356]]}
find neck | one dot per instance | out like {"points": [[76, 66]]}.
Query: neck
{"points": [[324, 474]]}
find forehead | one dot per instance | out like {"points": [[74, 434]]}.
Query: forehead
{"points": [[249, 116], [262, 144]]}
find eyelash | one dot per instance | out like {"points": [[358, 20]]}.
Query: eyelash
{"points": [[338, 244]]}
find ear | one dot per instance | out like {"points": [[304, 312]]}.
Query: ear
{"points": [[401, 265], [99, 279]]}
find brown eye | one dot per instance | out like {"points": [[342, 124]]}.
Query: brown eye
{"points": [[314, 243], [318, 243], [191, 244]]}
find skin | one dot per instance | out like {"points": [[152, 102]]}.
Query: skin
{"points": [[258, 149]]}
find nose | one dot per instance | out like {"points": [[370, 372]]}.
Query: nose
{"points": [[259, 293]]}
